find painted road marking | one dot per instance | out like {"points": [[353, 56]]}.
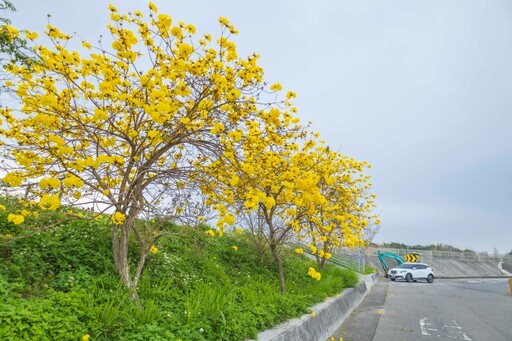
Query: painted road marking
{"points": [[426, 327], [460, 331], [440, 329]]}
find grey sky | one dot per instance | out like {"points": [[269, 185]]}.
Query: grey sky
{"points": [[420, 89]]}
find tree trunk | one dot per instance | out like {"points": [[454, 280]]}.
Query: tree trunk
{"points": [[273, 241], [120, 234], [280, 268], [323, 263]]}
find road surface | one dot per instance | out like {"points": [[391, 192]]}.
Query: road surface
{"points": [[447, 310]]}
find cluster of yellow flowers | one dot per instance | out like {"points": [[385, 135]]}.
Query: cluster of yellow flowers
{"points": [[118, 218], [314, 274], [50, 183], [49, 202], [15, 218]]}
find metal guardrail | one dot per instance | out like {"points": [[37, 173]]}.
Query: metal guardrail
{"points": [[354, 261], [428, 254]]}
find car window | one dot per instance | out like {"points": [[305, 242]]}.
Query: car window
{"points": [[406, 266], [422, 266]]}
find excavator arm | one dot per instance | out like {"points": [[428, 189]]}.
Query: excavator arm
{"points": [[382, 258]]}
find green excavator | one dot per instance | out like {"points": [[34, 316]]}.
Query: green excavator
{"points": [[410, 257], [382, 257]]}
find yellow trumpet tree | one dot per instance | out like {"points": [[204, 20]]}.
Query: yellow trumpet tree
{"points": [[128, 126], [343, 216], [269, 174]]}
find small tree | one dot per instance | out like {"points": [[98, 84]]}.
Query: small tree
{"points": [[254, 223], [274, 174], [340, 219], [126, 128]]}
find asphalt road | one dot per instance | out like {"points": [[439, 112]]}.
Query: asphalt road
{"points": [[448, 309]]}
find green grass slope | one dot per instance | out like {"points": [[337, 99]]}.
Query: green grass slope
{"points": [[60, 284]]}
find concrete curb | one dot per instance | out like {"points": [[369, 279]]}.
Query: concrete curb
{"points": [[329, 315], [500, 266]]}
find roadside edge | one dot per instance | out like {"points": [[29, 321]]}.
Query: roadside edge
{"points": [[326, 317]]}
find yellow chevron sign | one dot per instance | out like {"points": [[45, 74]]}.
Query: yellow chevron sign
{"points": [[412, 257]]}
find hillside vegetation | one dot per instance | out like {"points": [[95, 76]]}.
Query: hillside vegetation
{"points": [[58, 282]]}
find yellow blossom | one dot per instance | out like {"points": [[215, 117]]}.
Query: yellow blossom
{"points": [[15, 218], [152, 7], [291, 94], [49, 202], [73, 181], [12, 179], [118, 218], [229, 218], [49, 183], [31, 35], [314, 274], [235, 248], [11, 31], [276, 87], [312, 248], [153, 249]]}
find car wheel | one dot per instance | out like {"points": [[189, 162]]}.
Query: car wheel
{"points": [[393, 279], [408, 277], [430, 278]]}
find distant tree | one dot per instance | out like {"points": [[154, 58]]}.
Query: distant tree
{"points": [[432, 247], [395, 245]]}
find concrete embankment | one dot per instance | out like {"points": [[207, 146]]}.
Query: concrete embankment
{"points": [[325, 318], [453, 268]]}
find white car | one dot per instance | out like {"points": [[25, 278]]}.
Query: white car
{"points": [[412, 272]]}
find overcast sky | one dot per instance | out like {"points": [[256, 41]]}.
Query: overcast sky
{"points": [[420, 89]]}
